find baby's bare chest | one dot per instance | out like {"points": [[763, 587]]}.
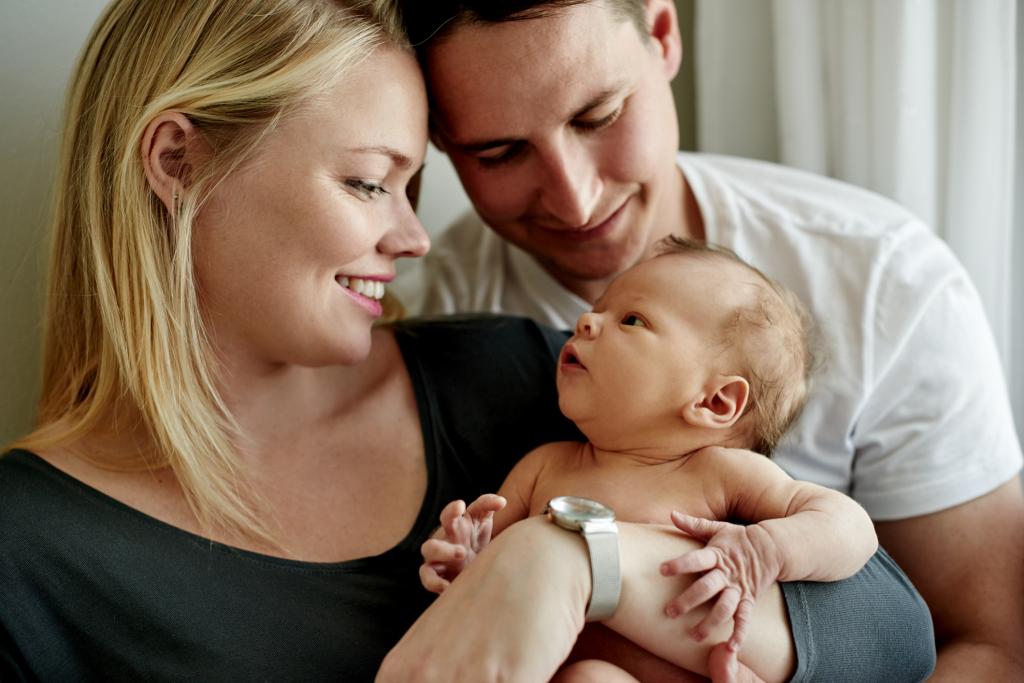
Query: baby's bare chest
{"points": [[639, 494]]}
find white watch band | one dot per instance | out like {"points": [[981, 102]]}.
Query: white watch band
{"points": [[603, 543]]}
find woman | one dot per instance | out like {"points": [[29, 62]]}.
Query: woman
{"points": [[233, 469]]}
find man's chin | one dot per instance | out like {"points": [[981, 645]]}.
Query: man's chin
{"points": [[587, 270]]}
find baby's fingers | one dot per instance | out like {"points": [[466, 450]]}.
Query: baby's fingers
{"points": [[741, 624], [431, 579], [697, 527], [440, 551], [451, 514], [694, 561], [702, 590], [724, 609], [486, 504]]}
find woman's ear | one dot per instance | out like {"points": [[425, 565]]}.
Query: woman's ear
{"points": [[721, 405], [169, 145], [663, 27]]}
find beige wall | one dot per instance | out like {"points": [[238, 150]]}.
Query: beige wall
{"points": [[39, 40]]}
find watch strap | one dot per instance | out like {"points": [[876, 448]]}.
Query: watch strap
{"points": [[603, 543]]}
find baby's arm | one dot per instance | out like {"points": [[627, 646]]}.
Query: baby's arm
{"points": [[465, 531], [801, 531]]}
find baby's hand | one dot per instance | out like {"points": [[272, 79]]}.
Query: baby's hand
{"points": [[464, 532], [741, 562]]}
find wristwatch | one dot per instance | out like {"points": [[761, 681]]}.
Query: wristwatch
{"points": [[596, 523]]}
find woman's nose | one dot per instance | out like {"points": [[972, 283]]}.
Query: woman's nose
{"points": [[407, 238]]}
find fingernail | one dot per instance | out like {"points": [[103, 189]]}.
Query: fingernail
{"points": [[697, 635], [672, 611], [665, 569]]}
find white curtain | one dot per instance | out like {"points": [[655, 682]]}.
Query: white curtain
{"points": [[914, 99]]}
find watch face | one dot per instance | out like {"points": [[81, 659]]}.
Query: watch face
{"points": [[572, 511]]}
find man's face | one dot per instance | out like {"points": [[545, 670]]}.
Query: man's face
{"points": [[563, 131]]}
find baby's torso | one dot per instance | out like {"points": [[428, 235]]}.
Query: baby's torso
{"points": [[636, 492]]}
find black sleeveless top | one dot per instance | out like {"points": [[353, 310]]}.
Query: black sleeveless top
{"points": [[91, 589]]}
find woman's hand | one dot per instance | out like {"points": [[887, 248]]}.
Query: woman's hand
{"points": [[740, 562], [513, 615]]}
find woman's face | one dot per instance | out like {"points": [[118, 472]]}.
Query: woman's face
{"points": [[294, 248]]}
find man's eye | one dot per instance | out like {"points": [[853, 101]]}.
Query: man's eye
{"points": [[632, 320], [600, 123], [503, 156]]}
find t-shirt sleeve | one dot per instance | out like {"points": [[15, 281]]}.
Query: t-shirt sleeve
{"points": [[936, 428]]}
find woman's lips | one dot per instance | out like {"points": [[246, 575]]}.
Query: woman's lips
{"points": [[372, 306], [365, 291]]}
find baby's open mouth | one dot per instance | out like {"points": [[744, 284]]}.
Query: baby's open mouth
{"points": [[569, 357]]}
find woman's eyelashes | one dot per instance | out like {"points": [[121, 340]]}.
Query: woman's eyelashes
{"points": [[365, 188]]}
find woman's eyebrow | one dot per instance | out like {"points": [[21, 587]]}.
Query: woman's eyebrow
{"points": [[399, 159]]}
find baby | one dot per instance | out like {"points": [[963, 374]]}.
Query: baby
{"points": [[688, 360]]}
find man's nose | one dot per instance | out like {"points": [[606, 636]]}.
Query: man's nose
{"points": [[570, 184], [589, 325]]}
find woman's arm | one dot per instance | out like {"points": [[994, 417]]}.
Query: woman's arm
{"points": [[515, 613]]}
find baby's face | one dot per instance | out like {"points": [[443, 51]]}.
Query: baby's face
{"points": [[650, 345]]}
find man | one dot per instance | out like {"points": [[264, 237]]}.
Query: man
{"points": [[559, 119]]}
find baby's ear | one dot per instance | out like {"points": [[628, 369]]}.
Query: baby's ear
{"points": [[720, 405]]}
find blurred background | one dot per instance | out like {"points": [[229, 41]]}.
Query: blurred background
{"points": [[916, 99]]}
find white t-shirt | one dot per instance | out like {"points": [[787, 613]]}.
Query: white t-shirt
{"points": [[909, 412]]}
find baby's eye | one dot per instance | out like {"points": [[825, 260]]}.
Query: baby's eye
{"points": [[633, 320]]}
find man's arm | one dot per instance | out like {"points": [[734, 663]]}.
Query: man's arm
{"points": [[968, 564]]}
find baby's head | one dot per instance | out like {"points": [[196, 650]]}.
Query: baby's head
{"points": [[765, 337], [694, 334]]}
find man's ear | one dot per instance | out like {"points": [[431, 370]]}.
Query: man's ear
{"points": [[168, 148], [721, 404], [663, 26]]}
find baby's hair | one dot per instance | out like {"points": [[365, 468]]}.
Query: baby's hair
{"points": [[772, 340]]}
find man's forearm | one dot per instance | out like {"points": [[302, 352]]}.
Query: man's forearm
{"points": [[971, 661]]}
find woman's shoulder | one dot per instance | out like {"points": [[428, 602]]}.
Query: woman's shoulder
{"points": [[32, 492]]}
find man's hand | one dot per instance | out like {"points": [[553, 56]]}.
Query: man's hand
{"points": [[740, 562], [466, 532]]}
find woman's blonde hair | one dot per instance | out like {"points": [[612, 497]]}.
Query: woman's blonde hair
{"points": [[123, 322]]}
